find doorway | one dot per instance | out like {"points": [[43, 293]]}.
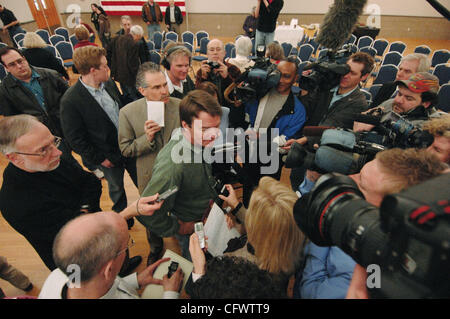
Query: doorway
{"points": [[45, 14]]}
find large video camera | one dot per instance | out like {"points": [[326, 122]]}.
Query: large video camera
{"points": [[258, 79], [327, 71], [408, 237], [343, 151]]}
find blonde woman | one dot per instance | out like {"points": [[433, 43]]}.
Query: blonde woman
{"points": [[37, 55], [274, 241]]}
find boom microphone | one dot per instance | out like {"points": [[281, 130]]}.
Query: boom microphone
{"points": [[339, 22]]}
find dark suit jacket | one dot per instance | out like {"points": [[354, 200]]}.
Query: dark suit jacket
{"points": [[384, 94], [342, 113], [87, 127], [124, 59]]}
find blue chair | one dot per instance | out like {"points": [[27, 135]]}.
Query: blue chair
{"points": [[374, 89], [44, 35], [52, 50], [54, 39], [2, 45], [369, 50], [364, 41], [165, 43], [64, 32], [294, 51], [60, 60], [424, 49], [380, 45], [20, 44], [92, 38], [387, 73], [322, 53], [202, 50], [305, 51], [199, 36], [18, 37], [397, 46], [172, 36], [442, 71], [73, 39], [158, 40], [368, 95], [65, 51], [233, 52], [228, 47], [3, 72], [150, 45], [155, 57], [392, 58], [444, 98], [188, 37], [287, 47], [314, 44], [189, 47], [303, 40], [440, 56], [351, 40]]}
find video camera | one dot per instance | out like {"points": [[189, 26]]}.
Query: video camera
{"points": [[258, 79], [327, 71], [343, 151], [407, 237]]}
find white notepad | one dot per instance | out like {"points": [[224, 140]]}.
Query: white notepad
{"points": [[155, 112], [157, 291]]}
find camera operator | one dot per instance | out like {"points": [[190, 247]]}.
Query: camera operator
{"points": [[440, 129], [279, 109], [328, 270], [338, 106], [414, 101], [216, 70]]}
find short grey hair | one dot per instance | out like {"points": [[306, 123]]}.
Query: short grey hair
{"points": [[243, 46], [137, 30], [147, 67], [125, 17], [90, 254], [181, 51], [12, 128], [33, 40], [424, 62]]}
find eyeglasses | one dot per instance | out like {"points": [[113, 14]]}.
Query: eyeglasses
{"points": [[13, 64], [129, 245], [46, 149]]}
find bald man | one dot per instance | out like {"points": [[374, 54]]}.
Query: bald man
{"points": [[222, 75], [95, 245]]}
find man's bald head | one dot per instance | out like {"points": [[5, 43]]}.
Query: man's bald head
{"points": [[90, 241], [215, 50]]}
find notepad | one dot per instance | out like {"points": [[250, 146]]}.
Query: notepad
{"points": [[156, 291], [155, 112]]}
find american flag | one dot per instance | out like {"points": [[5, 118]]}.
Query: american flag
{"points": [[124, 7]]}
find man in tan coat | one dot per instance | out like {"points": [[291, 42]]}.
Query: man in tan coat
{"points": [[143, 137]]}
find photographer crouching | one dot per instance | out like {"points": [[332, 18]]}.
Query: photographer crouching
{"points": [[345, 230]]}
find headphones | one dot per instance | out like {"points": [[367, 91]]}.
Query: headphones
{"points": [[165, 63]]}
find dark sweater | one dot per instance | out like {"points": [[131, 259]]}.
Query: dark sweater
{"points": [[38, 205], [45, 59], [267, 18]]}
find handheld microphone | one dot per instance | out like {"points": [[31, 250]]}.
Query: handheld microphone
{"points": [[368, 119], [339, 22]]}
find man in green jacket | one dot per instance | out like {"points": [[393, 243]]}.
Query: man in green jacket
{"points": [[181, 164]]}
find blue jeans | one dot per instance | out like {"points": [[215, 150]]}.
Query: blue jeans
{"points": [[151, 29], [114, 177], [183, 240], [263, 38]]}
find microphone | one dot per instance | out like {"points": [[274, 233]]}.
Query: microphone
{"points": [[368, 119], [339, 22], [333, 160], [315, 130]]}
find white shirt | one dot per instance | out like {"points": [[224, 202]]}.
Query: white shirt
{"points": [[123, 288], [172, 87], [172, 14]]}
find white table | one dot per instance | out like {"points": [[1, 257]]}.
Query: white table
{"points": [[286, 33]]}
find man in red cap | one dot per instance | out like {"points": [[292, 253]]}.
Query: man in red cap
{"points": [[415, 100]]}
